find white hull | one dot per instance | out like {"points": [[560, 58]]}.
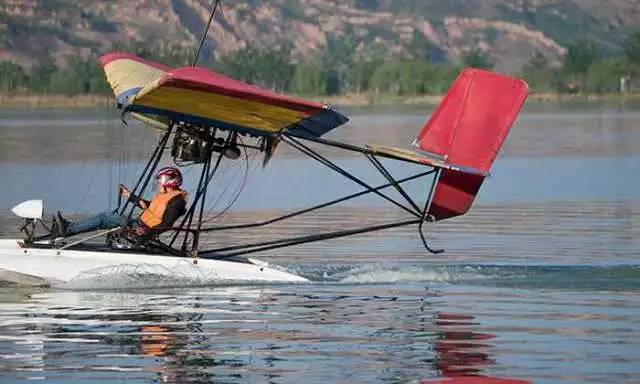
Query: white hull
{"points": [[58, 267]]}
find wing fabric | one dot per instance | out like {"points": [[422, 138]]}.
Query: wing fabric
{"points": [[127, 74], [197, 95]]}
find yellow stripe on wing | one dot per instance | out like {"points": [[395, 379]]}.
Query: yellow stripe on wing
{"points": [[228, 109]]}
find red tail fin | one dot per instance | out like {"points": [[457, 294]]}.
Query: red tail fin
{"points": [[468, 130]]}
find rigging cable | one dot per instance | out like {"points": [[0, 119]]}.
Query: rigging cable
{"points": [[86, 192], [122, 153], [220, 174], [206, 31], [112, 162], [238, 192], [99, 169], [247, 161]]}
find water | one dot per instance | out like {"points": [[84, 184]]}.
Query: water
{"points": [[539, 282]]}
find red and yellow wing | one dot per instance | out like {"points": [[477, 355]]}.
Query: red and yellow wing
{"points": [[200, 96]]}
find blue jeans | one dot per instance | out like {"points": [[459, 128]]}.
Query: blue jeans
{"points": [[105, 220]]}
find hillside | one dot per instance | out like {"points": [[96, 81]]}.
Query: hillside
{"points": [[511, 31]]}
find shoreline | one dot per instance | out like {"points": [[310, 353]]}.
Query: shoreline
{"points": [[346, 100], [53, 101]]}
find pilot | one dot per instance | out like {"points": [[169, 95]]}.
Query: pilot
{"points": [[157, 215]]}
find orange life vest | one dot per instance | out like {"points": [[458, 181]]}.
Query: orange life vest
{"points": [[152, 216]]}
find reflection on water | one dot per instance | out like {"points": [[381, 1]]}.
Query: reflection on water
{"points": [[380, 333], [540, 282], [459, 350]]}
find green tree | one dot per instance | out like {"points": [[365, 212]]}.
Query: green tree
{"points": [[386, 78], [338, 59], [371, 51], [308, 79], [40, 76], [632, 48], [5, 41], [365, 61], [476, 58], [173, 55], [275, 69], [580, 55], [263, 67], [96, 81], [239, 64], [441, 76], [361, 73], [413, 76], [67, 82], [12, 77], [603, 76], [82, 76], [539, 74]]}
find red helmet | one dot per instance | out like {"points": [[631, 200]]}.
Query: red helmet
{"points": [[169, 177]]}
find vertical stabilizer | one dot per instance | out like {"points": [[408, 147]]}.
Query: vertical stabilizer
{"points": [[468, 130]]}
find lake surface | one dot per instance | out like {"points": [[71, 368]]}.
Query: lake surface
{"points": [[541, 281]]}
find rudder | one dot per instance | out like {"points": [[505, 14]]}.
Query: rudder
{"points": [[468, 130]]}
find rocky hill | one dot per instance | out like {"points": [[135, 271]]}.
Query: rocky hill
{"points": [[511, 31]]}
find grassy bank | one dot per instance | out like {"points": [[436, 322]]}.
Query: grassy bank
{"points": [[347, 100]]}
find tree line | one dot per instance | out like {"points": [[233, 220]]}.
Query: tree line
{"points": [[585, 70], [82, 75], [344, 66]]}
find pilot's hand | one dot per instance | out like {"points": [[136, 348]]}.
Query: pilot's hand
{"points": [[141, 230], [142, 204], [124, 191]]}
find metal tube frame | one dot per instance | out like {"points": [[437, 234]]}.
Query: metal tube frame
{"points": [[205, 179], [323, 160], [151, 166], [316, 207], [420, 213]]}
